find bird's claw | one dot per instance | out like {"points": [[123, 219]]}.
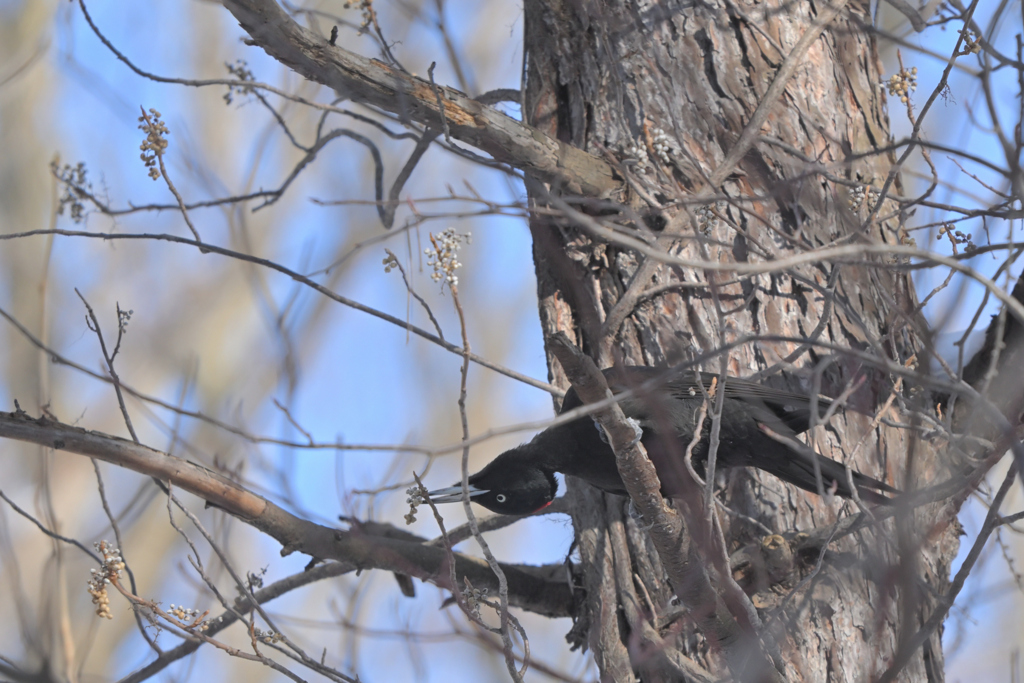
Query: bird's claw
{"points": [[638, 431], [638, 516]]}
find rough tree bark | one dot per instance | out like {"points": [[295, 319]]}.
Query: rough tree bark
{"points": [[610, 76]]}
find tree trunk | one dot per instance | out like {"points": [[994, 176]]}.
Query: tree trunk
{"points": [[666, 91]]}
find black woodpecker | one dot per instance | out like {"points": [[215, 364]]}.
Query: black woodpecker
{"points": [[522, 480]]}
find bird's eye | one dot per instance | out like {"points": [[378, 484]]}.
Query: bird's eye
{"points": [[501, 498]]}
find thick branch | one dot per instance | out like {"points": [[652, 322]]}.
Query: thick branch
{"points": [[375, 83], [526, 590]]}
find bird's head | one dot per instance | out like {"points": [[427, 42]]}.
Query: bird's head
{"points": [[510, 485]]}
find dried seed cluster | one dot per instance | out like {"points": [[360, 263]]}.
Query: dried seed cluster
{"points": [[971, 44], [123, 318], [443, 256], [366, 7], [637, 152], [108, 572], [195, 619], [240, 70], [958, 237], [416, 496], [862, 193], [706, 218], [662, 145], [76, 184], [269, 637], [155, 143], [902, 84], [475, 597]]}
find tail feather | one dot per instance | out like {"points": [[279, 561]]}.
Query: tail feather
{"points": [[799, 471]]}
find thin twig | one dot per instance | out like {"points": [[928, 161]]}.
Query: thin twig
{"points": [[944, 603], [51, 534], [408, 286], [510, 662], [158, 151], [94, 325]]}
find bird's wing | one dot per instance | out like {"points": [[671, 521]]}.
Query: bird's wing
{"points": [[792, 408]]}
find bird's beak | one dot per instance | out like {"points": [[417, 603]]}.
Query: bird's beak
{"points": [[453, 494]]}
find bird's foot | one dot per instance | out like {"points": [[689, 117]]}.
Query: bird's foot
{"points": [[638, 516], [638, 431]]}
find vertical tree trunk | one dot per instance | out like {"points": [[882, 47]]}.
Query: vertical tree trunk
{"points": [[626, 78]]}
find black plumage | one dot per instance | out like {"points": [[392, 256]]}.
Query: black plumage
{"points": [[521, 480]]}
